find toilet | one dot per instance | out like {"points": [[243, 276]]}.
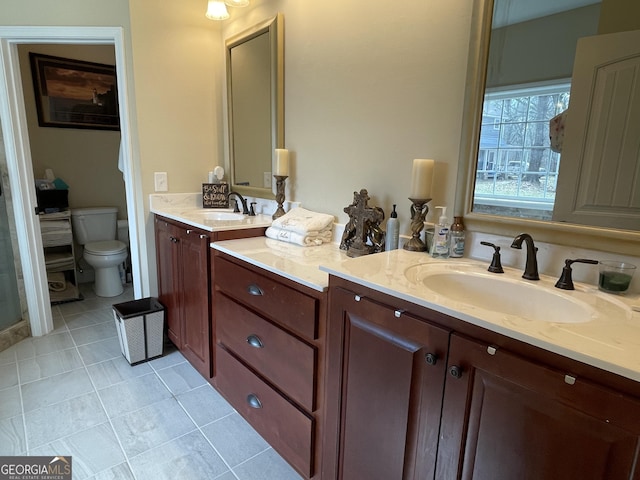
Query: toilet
{"points": [[96, 228]]}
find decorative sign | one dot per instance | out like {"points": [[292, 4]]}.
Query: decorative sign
{"points": [[214, 195]]}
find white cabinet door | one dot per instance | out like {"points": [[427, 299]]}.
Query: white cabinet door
{"points": [[599, 180]]}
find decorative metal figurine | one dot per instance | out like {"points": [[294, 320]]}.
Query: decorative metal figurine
{"points": [[419, 210], [362, 233], [280, 183]]}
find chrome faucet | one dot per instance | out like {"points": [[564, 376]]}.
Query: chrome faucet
{"points": [[531, 267], [245, 209]]}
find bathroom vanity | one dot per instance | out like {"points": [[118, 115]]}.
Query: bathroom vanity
{"points": [[184, 279], [375, 368], [413, 393]]}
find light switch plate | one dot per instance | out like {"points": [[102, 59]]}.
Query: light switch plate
{"points": [[160, 181]]}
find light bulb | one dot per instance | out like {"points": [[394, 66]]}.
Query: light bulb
{"points": [[216, 10]]}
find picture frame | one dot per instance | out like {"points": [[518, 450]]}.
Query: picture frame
{"points": [[74, 93]]}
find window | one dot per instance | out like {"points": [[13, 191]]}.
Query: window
{"points": [[516, 169]]}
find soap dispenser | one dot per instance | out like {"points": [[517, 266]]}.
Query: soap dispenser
{"points": [[441, 237], [393, 231]]}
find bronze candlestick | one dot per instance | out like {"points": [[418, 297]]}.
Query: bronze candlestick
{"points": [[280, 183], [419, 210]]}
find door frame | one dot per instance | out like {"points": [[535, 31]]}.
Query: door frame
{"points": [[20, 166]]}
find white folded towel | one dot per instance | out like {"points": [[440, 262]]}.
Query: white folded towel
{"points": [[302, 221], [57, 282], [305, 239]]}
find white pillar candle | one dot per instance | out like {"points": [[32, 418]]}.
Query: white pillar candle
{"points": [[421, 178], [282, 162]]}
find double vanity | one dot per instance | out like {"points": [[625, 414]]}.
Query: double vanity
{"points": [[397, 365]]}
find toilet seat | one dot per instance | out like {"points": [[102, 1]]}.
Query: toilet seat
{"points": [[105, 247]]}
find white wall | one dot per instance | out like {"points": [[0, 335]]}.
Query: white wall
{"points": [[540, 49], [367, 90]]}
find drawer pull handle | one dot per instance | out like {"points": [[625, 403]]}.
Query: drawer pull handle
{"points": [[253, 401], [491, 350], [398, 313], [255, 341], [569, 379], [357, 298], [254, 290], [431, 358]]}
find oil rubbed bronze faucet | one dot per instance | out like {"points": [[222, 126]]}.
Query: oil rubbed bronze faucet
{"points": [[245, 209], [531, 267]]}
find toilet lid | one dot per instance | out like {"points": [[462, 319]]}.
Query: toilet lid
{"points": [[105, 247]]}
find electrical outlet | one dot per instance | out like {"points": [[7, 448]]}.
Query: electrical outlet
{"points": [[266, 179], [160, 180]]}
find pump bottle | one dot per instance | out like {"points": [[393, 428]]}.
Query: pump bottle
{"points": [[441, 237], [393, 231], [457, 238]]}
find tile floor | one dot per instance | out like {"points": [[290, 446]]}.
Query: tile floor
{"points": [[73, 393]]}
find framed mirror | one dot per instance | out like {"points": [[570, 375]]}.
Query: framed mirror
{"points": [[255, 105], [509, 175]]}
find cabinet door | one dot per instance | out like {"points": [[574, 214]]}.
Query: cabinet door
{"points": [[505, 418], [167, 253], [194, 304], [393, 368]]}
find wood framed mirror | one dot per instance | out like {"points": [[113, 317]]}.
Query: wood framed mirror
{"points": [[616, 238], [255, 105]]}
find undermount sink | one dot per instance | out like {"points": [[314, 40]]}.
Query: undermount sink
{"points": [[216, 216], [501, 295], [223, 216]]}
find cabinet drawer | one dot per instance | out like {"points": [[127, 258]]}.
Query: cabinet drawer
{"points": [[281, 358], [283, 304], [287, 429]]}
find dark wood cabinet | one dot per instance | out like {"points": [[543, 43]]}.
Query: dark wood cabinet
{"points": [[507, 417], [391, 367], [489, 408], [184, 286], [269, 349]]}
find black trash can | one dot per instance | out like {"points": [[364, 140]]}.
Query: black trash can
{"points": [[140, 326]]}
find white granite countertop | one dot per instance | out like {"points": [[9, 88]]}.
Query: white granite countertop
{"points": [[297, 263], [187, 208], [609, 340]]}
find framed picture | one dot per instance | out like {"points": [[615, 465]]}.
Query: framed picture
{"points": [[74, 94]]}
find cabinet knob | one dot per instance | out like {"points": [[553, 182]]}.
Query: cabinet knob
{"points": [[455, 371], [431, 358], [189, 232], [254, 401], [254, 290], [203, 236], [255, 341], [173, 239]]}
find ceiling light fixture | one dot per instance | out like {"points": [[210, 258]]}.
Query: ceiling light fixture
{"points": [[217, 10]]}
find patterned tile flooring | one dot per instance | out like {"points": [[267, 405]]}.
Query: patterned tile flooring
{"points": [[73, 393]]}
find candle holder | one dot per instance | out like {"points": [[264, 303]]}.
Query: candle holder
{"points": [[419, 210], [280, 183]]}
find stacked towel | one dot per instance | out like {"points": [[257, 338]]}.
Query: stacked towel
{"points": [[302, 227], [57, 282]]}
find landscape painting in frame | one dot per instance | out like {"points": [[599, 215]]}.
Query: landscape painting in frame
{"points": [[74, 93]]}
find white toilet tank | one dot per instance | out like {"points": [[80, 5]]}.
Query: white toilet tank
{"points": [[93, 224]]}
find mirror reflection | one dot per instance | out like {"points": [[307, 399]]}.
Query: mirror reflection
{"points": [[255, 105], [559, 143]]}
